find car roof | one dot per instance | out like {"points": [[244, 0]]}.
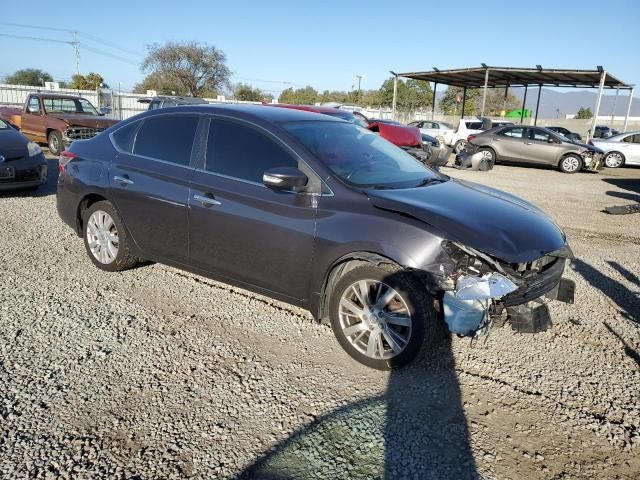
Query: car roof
{"points": [[55, 95], [308, 108], [256, 112], [195, 100]]}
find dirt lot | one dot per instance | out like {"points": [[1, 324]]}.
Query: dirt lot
{"points": [[154, 373]]}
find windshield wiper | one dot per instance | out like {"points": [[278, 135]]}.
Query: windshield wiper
{"points": [[430, 181]]}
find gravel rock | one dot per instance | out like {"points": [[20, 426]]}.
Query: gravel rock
{"points": [[157, 373]]}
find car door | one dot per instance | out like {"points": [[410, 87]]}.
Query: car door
{"points": [[630, 148], [149, 182], [542, 146], [238, 228], [509, 144], [32, 122]]}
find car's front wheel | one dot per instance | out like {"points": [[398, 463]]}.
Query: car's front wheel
{"points": [[107, 242], [614, 160], [382, 317], [570, 164]]}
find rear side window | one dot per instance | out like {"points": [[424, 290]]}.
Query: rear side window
{"points": [[168, 138], [123, 137], [515, 132], [243, 152], [474, 125]]}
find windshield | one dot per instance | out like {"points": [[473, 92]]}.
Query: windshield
{"points": [[349, 117], [69, 105], [360, 157]]}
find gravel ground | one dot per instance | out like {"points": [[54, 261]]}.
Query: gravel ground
{"points": [[156, 373]]}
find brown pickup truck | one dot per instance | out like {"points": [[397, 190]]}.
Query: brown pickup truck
{"points": [[56, 120]]}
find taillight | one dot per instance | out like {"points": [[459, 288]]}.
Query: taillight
{"points": [[470, 137], [65, 157], [590, 142]]}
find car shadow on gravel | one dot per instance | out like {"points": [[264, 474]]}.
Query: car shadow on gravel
{"points": [[623, 297], [416, 429]]}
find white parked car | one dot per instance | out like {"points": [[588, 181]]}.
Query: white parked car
{"points": [[470, 126], [621, 149], [442, 131]]}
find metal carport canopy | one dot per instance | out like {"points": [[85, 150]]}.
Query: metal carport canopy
{"points": [[505, 77]]}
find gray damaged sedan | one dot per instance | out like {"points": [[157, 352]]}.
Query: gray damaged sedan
{"points": [[320, 213]]}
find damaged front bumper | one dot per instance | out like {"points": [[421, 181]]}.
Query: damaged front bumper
{"points": [[484, 295], [592, 160]]}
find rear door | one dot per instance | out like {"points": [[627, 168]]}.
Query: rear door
{"points": [[242, 230], [149, 182], [509, 144]]}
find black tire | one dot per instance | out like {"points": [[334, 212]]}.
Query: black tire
{"points": [[610, 156], [487, 163], [460, 146], [566, 165], [419, 303], [125, 257], [54, 141]]}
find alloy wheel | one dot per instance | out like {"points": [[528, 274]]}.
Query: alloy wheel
{"points": [[487, 154], [613, 160], [102, 237], [570, 164], [375, 319]]}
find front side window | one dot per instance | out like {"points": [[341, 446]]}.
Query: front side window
{"points": [[243, 152], [539, 135], [168, 138], [359, 157], [516, 132]]}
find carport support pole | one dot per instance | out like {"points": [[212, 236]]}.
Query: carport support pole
{"points": [[603, 75], [395, 95], [626, 117], [464, 100], [615, 101], [484, 92], [524, 101], [535, 120], [433, 104]]}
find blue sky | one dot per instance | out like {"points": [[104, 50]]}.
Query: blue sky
{"points": [[326, 44]]}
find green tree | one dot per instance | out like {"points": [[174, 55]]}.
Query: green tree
{"points": [[197, 69], [161, 84], [496, 102], [91, 81], [451, 101], [248, 93], [301, 96], [29, 76], [412, 94], [584, 113]]}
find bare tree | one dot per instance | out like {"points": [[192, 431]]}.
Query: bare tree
{"points": [[200, 69]]}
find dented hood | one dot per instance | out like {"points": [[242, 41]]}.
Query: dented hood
{"points": [[491, 221], [81, 120]]}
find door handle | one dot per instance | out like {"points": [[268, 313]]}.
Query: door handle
{"points": [[123, 180], [206, 201]]}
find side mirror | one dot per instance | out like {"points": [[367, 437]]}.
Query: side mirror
{"points": [[284, 178], [34, 111]]}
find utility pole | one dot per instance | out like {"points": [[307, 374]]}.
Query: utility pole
{"points": [[77, 49], [359, 77]]}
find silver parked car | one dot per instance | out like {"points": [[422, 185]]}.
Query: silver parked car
{"points": [[535, 145], [621, 149], [440, 130]]}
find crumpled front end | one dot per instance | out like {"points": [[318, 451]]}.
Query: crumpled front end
{"points": [[592, 160], [481, 291]]}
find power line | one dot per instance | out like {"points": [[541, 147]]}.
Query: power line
{"points": [[41, 39], [108, 54]]}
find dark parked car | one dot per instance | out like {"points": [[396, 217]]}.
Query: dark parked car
{"points": [[534, 145], [318, 212], [161, 101], [573, 136], [602, 131], [22, 163]]}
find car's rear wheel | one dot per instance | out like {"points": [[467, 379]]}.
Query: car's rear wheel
{"points": [[382, 317], [55, 142], [460, 146], [107, 242], [614, 159], [570, 164]]}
